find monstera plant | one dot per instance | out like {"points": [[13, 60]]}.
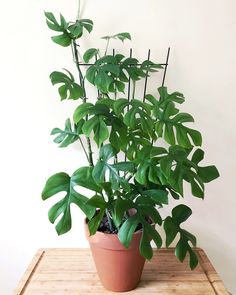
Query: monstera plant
{"points": [[131, 174]]}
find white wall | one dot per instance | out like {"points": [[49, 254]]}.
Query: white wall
{"points": [[202, 65]]}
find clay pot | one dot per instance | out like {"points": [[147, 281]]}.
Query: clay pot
{"points": [[119, 269]]}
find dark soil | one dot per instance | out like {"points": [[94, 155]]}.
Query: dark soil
{"points": [[104, 226]]}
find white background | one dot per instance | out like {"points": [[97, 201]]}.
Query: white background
{"points": [[202, 37]]}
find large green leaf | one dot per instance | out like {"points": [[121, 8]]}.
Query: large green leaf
{"points": [[172, 227], [176, 167], [170, 122], [69, 89], [62, 182]]}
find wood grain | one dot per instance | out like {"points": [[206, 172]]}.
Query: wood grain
{"points": [[72, 271]]}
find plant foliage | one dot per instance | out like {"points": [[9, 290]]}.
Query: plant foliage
{"points": [[134, 175]]}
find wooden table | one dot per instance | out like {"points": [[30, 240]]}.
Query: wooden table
{"points": [[72, 271]]}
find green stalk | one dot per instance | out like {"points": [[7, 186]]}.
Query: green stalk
{"points": [[90, 153], [78, 13], [109, 221], [108, 41]]}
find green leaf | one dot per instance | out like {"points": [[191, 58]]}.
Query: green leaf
{"points": [[89, 54], [63, 40], [120, 36], [101, 132], [97, 202], [82, 111], [83, 177], [153, 234], [145, 246], [171, 230], [150, 211], [90, 125], [67, 136], [68, 89], [99, 172], [62, 182], [208, 173], [94, 223], [193, 262], [181, 249], [124, 166], [171, 121], [198, 156], [127, 229], [158, 196], [120, 207], [181, 213]]}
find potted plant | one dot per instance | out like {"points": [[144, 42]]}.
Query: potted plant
{"points": [[133, 176]]}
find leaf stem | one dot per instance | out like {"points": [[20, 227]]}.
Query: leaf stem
{"points": [[108, 41], [109, 221], [76, 59]]}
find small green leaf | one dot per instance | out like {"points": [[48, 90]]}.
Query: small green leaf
{"points": [[89, 54], [94, 223], [63, 40]]}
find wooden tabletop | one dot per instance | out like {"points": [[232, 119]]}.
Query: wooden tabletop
{"points": [[72, 271]]}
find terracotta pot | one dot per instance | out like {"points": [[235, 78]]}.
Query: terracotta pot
{"points": [[119, 269]]}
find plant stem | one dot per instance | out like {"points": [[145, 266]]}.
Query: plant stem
{"points": [[78, 13], [109, 221], [90, 153], [84, 148], [134, 87], [108, 41]]}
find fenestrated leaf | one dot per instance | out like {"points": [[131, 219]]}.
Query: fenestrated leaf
{"points": [[68, 135], [62, 182], [69, 89], [64, 38], [99, 171]]}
